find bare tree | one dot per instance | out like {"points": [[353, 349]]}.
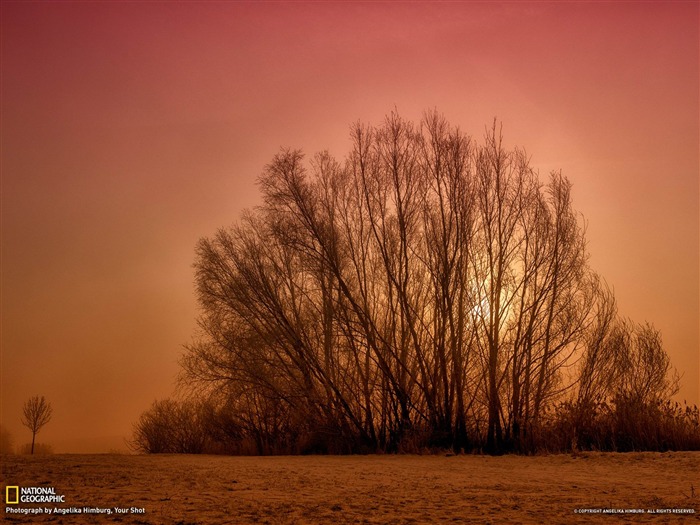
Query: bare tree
{"points": [[171, 426], [428, 289], [35, 414]]}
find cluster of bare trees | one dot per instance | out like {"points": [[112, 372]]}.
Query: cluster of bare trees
{"points": [[429, 290], [171, 427]]}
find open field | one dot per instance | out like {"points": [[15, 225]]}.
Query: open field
{"points": [[360, 489]]}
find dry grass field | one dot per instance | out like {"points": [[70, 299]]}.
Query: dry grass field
{"points": [[176, 489]]}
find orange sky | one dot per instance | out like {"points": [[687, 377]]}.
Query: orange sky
{"points": [[131, 130]]}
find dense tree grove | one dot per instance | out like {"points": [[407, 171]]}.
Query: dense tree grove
{"points": [[429, 291]]}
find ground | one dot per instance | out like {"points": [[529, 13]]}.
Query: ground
{"points": [[180, 489]]}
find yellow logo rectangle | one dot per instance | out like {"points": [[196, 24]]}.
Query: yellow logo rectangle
{"points": [[8, 499]]}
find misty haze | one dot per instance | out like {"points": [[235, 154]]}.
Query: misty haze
{"points": [[350, 262]]}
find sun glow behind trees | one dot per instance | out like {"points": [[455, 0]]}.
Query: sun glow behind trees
{"points": [[428, 290]]}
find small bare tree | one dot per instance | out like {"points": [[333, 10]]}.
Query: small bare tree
{"points": [[36, 413]]}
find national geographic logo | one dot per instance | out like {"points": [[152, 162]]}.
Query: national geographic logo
{"points": [[12, 495], [15, 494]]}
